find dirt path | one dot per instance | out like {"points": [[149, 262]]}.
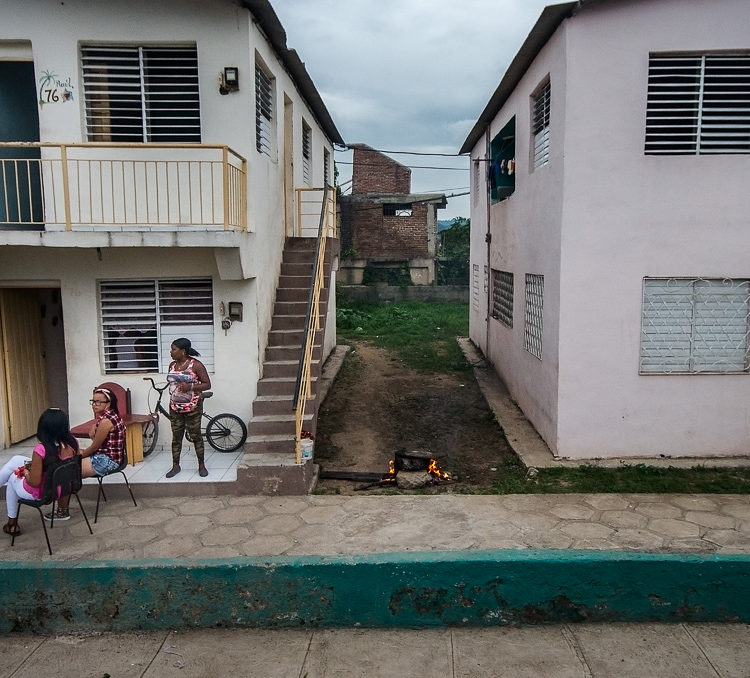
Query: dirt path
{"points": [[377, 405]]}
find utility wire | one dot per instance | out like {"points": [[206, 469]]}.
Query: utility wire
{"points": [[444, 155], [373, 164]]}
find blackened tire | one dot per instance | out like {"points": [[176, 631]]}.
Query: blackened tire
{"points": [[226, 432], [150, 436]]}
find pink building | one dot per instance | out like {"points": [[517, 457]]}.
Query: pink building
{"points": [[610, 229]]}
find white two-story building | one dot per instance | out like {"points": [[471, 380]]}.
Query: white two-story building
{"points": [[154, 159]]}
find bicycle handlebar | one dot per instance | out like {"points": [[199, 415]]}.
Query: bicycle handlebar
{"points": [[154, 386]]}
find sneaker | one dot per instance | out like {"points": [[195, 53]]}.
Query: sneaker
{"points": [[60, 514]]}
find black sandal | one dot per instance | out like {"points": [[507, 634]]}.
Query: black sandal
{"points": [[8, 529]]}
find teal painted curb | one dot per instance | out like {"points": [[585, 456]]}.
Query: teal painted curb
{"points": [[414, 590]]}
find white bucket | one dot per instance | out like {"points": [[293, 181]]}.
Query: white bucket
{"points": [[307, 449]]}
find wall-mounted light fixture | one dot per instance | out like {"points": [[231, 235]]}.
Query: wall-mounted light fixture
{"points": [[235, 310], [229, 80]]}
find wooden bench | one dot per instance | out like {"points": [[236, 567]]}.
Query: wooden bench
{"points": [[133, 423]]}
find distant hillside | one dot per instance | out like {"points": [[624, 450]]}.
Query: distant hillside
{"points": [[443, 224]]}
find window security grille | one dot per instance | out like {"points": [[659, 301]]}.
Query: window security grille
{"points": [[533, 314], [306, 154], [695, 325], [502, 297], [141, 94], [326, 167], [141, 318], [263, 110], [475, 183], [395, 209], [540, 126], [698, 104], [475, 287]]}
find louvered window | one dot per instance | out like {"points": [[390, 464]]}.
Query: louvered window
{"points": [[326, 167], [695, 325], [533, 315], [502, 297], [141, 318], [475, 287], [540, 126], [263, 110], [306, 154], [698, 104], [141, 94]]}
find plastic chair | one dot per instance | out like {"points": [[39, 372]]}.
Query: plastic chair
{"points": [[119, 469], [65, 479]]}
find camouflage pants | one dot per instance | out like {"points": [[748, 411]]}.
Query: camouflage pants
{"points": [[192, 422]]}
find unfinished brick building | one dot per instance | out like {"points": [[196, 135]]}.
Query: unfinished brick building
{"points": [[384, 226]]}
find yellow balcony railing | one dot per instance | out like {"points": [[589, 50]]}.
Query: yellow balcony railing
{"points": [[314, 205], [100, 185]]}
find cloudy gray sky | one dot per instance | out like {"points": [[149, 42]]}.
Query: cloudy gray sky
{"points": [[409, 75]]}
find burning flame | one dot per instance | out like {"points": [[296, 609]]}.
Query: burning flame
{"points": [[391, 467], [433, 469]]}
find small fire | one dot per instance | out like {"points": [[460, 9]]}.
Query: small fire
{"points": [[433, 470], [392, 467]]}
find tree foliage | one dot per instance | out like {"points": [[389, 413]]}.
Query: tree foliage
{"points": [[453, 253]]}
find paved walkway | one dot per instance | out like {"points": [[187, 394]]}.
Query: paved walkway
{"points": [[229, 526], [564, 651]]}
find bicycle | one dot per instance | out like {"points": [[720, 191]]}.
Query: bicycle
{"points": [[225, 432]]}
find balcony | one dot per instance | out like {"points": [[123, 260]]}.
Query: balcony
{"points": [[93, 187]]}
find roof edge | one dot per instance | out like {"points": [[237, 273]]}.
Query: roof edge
{"points": [[546, 25], [269, 22]]}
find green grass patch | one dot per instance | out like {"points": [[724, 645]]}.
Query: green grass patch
{"points": [[629, 479], [422, 335]]}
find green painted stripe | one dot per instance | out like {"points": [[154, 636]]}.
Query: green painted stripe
{"points": [[416, 590]]}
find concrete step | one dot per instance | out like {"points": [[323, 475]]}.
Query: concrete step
{"points": [[279, 424], [281, 385], [286, 368], [287, 322], [289, 338], [271, 443], [277, 404], [290, 352]]}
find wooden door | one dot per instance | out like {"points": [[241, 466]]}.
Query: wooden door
{"points": [[24, 364]]}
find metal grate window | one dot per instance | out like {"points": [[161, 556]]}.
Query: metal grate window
{"points": [[141, 318], [540, 126], [141, 94], [533, 314], [306, 154], [698, 104], [396, 209], [326, 167], [475, 287], [502, 297], [692, 325], [263, 110]]}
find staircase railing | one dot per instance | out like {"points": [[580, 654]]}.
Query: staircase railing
{"points": [[303, 385]]}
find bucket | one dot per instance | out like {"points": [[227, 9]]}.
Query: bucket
{"points": [[307, 449]]}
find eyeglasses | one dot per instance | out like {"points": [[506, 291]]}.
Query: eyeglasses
{"points": [[98, 402]]}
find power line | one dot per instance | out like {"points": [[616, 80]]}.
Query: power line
{"points": [[373, 164], [443, 155]]}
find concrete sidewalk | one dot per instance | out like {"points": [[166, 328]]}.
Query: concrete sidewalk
{"points": [[564, 651]]}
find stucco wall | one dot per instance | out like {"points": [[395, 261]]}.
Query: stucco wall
{"points": [[628, 216]]}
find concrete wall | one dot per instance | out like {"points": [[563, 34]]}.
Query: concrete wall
{"points": [[414, 590], [599, 218], [457, 294]]}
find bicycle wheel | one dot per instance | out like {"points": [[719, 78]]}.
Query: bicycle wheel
{"points": [[226, 432], [150, 436]]}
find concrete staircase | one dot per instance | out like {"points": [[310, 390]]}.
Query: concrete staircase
{"points": [[271, 431]]}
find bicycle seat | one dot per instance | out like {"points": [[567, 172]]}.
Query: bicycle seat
{"points": [[207, 394]]}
